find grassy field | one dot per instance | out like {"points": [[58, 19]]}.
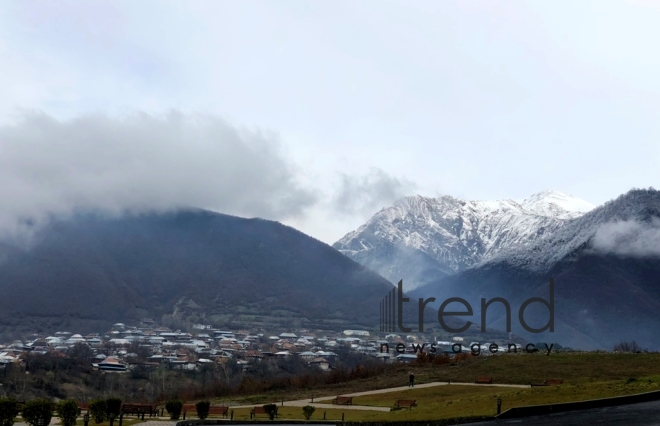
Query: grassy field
{"points": [[586, 376]]}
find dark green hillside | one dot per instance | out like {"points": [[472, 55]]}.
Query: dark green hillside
{"points": [[198, 265]]}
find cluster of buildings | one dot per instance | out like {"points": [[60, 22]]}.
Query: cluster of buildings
{"points": [[149, 345]]}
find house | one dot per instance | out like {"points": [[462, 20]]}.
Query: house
{"points": [[6, 358], [322, 363], [288, 336], [406, 358], [356, 333], [110, 364], [307, 355], [253, 355]]}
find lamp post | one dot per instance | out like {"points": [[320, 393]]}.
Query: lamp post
{"points": [[86, 419], [112, 418]]}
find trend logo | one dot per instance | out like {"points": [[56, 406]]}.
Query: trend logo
{"points": [[391, 312]]}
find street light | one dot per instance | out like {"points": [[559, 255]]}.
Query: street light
{"points": [[86, 419]]}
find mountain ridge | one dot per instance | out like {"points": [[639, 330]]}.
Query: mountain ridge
{"points": [[445, 235]]}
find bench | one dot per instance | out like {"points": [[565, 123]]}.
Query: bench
{"points": [[191, 408], [259, 410], [188, 408], [484, 380], [139, 409], [220, 411], [549, 382], [343, 400], [400, 403]]}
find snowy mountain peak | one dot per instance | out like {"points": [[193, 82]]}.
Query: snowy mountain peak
{"points": [[551, 203], [421, 238]]}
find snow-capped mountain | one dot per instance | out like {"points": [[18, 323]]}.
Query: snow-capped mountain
{"points": [[421, 239], [605, 265]]}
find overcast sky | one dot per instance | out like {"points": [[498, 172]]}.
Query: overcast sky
{"points": [[319, 113]]}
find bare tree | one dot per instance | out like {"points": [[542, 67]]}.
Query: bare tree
{"points": [[628, 347]]}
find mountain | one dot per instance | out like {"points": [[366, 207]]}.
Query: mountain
{"points": [[423, 239], [606, 268], [184, 267]]}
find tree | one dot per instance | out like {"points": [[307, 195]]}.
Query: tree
{"points": [[271, 410], [98, 409], [81, 354], [113, 406], [628, 347], [38, 411], [202, 409], [8, 411], [67, 411], [174, 408], [308, 410]]}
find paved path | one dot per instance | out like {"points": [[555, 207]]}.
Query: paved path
{"points": [[303, 402], [405, 388]]}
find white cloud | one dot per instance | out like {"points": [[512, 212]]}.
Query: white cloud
{"points": [[628, 238], [369, 193], [143, 162]]}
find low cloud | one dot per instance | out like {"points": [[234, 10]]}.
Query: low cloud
{"points": [[628, 238], [369, 193], [143, 162]]}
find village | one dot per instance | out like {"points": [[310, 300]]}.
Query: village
{"points": [[117, 350]]}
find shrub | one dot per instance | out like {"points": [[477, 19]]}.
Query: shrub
{"points": [[271, 410], [38, 409], [628, 347], [113, 406], [202, 409], [441, 359], [67, 411], [174, 408], [423, 358], [98, 409], [308, 410], [8, 411]]}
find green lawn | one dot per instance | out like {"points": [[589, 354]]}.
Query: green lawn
{"points": [[586, 376]]}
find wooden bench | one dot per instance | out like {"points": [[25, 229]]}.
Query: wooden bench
{"points": [[484, 380], [220, 411], [343, 400], [188, 408], [192, 409], [549, 382], [259, 410], [139, 409], [400, 403]]}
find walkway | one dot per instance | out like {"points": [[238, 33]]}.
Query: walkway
{"points": [[303, 402]]}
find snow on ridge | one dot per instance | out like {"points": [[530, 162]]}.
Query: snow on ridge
{"points": [[545, 200], [459, 234]]}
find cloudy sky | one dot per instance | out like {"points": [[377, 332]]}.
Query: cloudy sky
{"points": [[319, 113]]}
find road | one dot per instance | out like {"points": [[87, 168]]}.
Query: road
{"points": [[642, 414]]}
